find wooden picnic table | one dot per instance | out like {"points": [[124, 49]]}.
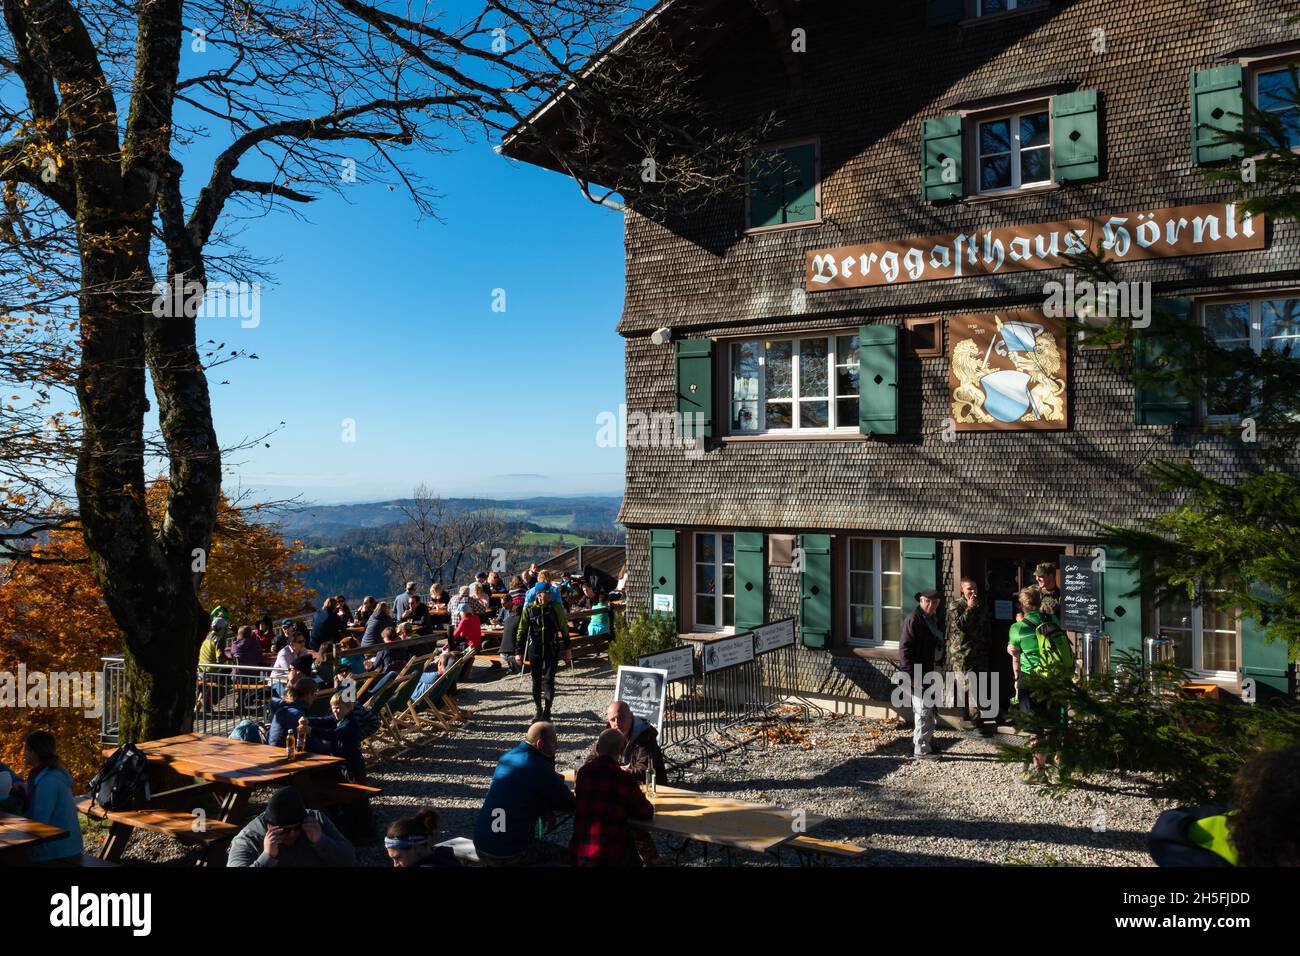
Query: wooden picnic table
{"points": [[18, 834], [233, 768], [723, 821]]}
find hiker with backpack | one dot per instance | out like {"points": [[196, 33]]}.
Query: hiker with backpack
{"points": [[1038, 645]]}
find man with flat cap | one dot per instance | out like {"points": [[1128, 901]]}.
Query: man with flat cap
{"points": [[288, 834], [1045, 581], [922, 650]]}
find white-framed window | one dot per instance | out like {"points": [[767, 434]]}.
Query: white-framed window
{"points": [[875, 591], [1275, 92], [1258, 323], [1205, 636], [988, 8], [794, 385], [1013, 151], [715, 581]]}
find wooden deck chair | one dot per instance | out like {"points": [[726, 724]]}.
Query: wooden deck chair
{"points": [[419, 714], [396, 705], [374, 683], [441, 702]]}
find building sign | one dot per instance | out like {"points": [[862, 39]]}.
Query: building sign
{"points": [[643, 689], [1006, 371], [771, 636], [663, 603], [679, 663], [1157, 234], [728, 652]]}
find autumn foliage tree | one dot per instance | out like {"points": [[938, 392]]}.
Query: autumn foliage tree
{"points": [[53, 617]]}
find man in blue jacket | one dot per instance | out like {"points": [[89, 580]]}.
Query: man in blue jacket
{"points": [[525, 789]]}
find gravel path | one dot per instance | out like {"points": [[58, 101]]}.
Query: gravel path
{"points": [[966, 808]]}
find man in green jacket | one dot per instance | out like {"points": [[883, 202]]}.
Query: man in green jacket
{"points": [[970, 645]]}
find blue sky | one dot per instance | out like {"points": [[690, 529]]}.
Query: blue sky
{"points": [[387, 320]]}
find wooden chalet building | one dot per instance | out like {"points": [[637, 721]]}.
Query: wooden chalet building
{"points": [[887, 404]]}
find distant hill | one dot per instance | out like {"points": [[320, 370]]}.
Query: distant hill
{"points": [[321, 522]]}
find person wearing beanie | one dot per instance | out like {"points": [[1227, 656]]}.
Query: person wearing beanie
{"points": [[286, 833]]}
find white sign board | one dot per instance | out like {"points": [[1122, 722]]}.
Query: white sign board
{"points": [[771, 636], [663, 602], [679, 662], [728, 652], [643, 689]]}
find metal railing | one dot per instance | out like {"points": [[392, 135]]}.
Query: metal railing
{"points": [[224, 695]]}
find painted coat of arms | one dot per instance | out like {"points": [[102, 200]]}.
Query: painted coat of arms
{"points": [[1007, 371]]}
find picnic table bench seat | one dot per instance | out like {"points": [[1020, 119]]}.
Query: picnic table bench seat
{"points": [[177, 824], [331, 792], [808, 846]]}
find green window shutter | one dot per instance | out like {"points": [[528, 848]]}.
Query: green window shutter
{"points": [[938, 12], [940, 141], [920, 570], [750, 553], [1076, 137], [1160, 404], [766, 194], [1261, 660], [663, 566], [878, 379], [815, 590], [695, 381], [1218, 105], [801, 183], [1121, 605]]}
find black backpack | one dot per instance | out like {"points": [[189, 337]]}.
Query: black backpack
{"points": [[123, 782], [367, 722]]}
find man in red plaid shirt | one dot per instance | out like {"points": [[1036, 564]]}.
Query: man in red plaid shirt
{"points": [[607, 798]]}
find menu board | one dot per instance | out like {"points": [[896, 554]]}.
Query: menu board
{"points": [[1080, 594], [643, 690]]}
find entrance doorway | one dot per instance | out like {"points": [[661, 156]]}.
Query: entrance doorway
{"points": [[1001, 570]]}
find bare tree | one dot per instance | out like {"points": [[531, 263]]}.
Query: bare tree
{"points": [[437, 538], [304, 97]]}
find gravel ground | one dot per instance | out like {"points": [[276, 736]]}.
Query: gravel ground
{"points": [[966, 808]]}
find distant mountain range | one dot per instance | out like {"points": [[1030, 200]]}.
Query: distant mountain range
{"points": [[318, 522]]}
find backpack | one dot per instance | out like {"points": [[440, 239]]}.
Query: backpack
{"points": [[1054, 651], [123, 782], [247, 731]]}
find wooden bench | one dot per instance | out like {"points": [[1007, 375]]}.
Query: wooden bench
{"points": [[87, 860], [177, 824], [807, 848], [331, 792]]}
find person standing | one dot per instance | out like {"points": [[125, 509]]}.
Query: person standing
{"points": [[1022, 645], [403, 601], [921, 652], [1045, 581], [970, 637], [542, 635]]}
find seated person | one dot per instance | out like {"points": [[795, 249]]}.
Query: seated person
{"points": [[410, 841], [283, 667], [525, 789], [325, 665], [641, 752], [599, 623], [607, 798], [50, 800], [288, 834], [417, 615], [291, 714], [13, 790], [390, 658], [339, 735], [469, 631], [354, 662]]}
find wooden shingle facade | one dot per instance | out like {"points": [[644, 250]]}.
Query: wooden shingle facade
{"points": [[898, 110]]}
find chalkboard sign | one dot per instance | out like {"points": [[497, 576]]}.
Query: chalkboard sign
{"points": [[643, 689], [1080, 594]]}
